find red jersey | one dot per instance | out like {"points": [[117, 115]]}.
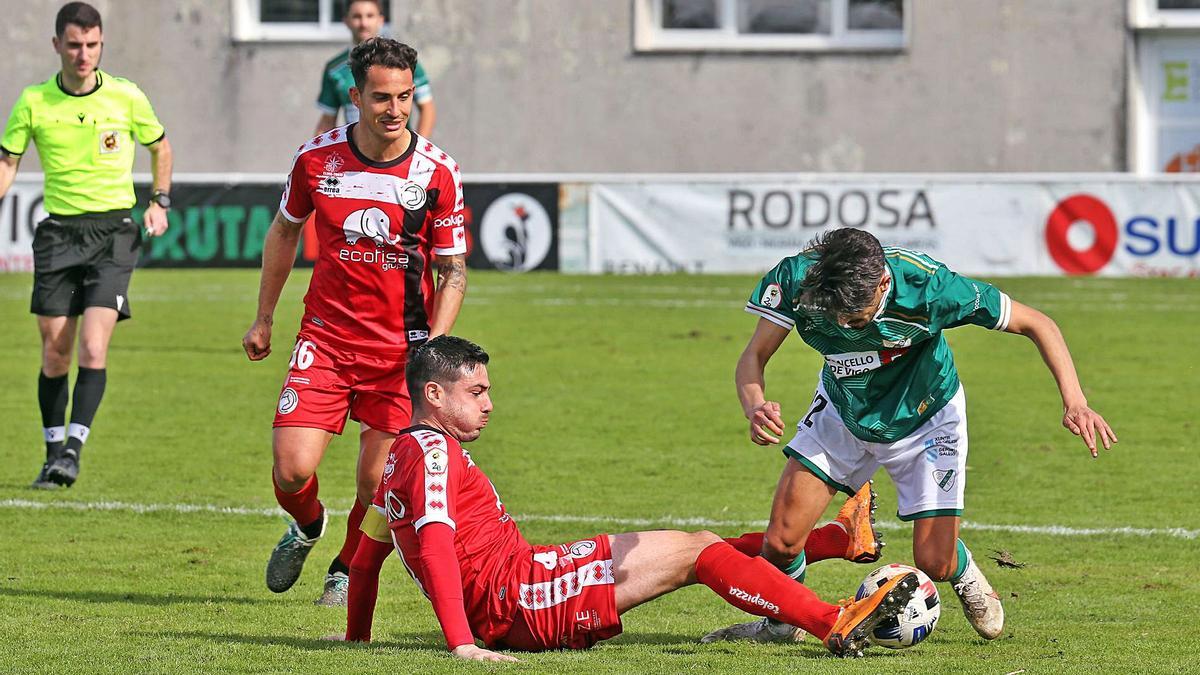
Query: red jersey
{"points": [[378, 225], [430, 478]]}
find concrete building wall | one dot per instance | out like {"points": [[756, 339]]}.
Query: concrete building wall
{"points": [[555, 86]]}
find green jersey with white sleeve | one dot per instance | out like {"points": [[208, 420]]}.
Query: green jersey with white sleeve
{"points": [[889, 377]]}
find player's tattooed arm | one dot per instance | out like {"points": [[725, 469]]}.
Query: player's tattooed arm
{"points": [[1078, 417], [452, 272], [448, 298]]}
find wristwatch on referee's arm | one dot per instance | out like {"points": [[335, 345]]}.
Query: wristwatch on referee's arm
{"points": [[162, 199]]}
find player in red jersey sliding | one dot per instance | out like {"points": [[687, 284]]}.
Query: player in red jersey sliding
{"points": [[387, 206], [486, 582]]}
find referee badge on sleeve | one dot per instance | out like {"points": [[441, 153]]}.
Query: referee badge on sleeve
{"points": [[110, 142]]}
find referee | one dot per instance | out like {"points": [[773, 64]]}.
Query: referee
{"points": [[84, 123]]}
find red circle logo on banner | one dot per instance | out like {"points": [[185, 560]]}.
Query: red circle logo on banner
{"points": [[1096, 213]]}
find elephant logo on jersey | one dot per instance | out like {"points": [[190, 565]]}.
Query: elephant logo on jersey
{"points": [[370, 223]]}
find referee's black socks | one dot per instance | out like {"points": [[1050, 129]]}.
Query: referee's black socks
{"points": [[52, 399], [89, 389]]}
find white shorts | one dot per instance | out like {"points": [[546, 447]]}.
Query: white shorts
{"points": [[928, 467]]}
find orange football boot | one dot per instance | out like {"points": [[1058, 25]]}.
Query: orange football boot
{"points": [[858, 517], [859, 618]]}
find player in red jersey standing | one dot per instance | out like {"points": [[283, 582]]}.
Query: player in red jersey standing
{"points": [[388, 206], [485, 581]]}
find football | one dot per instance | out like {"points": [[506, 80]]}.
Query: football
{"points": [[918, 618]]}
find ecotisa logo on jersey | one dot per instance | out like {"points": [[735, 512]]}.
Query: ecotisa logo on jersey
{"points": [[372, 224], [1083, 236], [755, 599]]}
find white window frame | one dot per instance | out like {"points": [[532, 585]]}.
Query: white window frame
{"points": [[650, 36], [248, 27], [1147, 22], [1145, 14]]}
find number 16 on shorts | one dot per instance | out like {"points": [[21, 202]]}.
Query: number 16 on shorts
{"points": [[303, 355]]}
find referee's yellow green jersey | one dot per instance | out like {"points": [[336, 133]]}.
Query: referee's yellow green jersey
{"points": [[85, 142]]}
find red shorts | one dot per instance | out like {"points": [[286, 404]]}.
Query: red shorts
{"points": [[327, 381], [566, 598]]}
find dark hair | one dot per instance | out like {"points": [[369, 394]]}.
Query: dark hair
{"points": [[78, 13], [443, 360], [377, 3], [380, 51], [847, 272]]}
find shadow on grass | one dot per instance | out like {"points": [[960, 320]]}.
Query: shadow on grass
{"points": [[105, 597], [432, 642]]}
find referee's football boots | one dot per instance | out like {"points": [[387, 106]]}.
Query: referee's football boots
{"points": [[64, 470], [43, 482], [287, 559]]}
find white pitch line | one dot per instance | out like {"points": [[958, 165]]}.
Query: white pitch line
{"points": [[674, 521]]}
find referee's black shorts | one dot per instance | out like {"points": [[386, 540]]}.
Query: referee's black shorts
{"points": [[84, 261]]}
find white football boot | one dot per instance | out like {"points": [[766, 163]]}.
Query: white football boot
{"points": [[337, 590], [980, 603], [762, 630]]}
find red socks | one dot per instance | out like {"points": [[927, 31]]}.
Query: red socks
{"points": [[353, 534], [823, 543], [756, 586], [364, 587], [749, 544], [303, 504]]}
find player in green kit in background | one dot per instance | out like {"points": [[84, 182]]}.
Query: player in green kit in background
{"points": [[85, 124], [365, 20], [889, 396]]}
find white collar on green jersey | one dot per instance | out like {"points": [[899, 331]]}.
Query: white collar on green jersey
{"points": [[887, 291]]}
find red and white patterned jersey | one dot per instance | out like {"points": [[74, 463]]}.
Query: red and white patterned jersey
{"points": [[378, 224], [430, 478]]}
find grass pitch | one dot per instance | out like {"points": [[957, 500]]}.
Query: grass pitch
{"points": [[615, 410]]}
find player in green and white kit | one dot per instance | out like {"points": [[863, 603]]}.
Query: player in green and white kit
{"points": [[365, 20], [888, 395]]}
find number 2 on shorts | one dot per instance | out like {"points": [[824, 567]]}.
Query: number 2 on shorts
{"points": [[818, 405]]}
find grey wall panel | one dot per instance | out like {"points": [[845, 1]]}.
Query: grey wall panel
{"points": [[554, 85]]}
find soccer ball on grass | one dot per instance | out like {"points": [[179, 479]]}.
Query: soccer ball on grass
{"points": [[916, 621]]}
